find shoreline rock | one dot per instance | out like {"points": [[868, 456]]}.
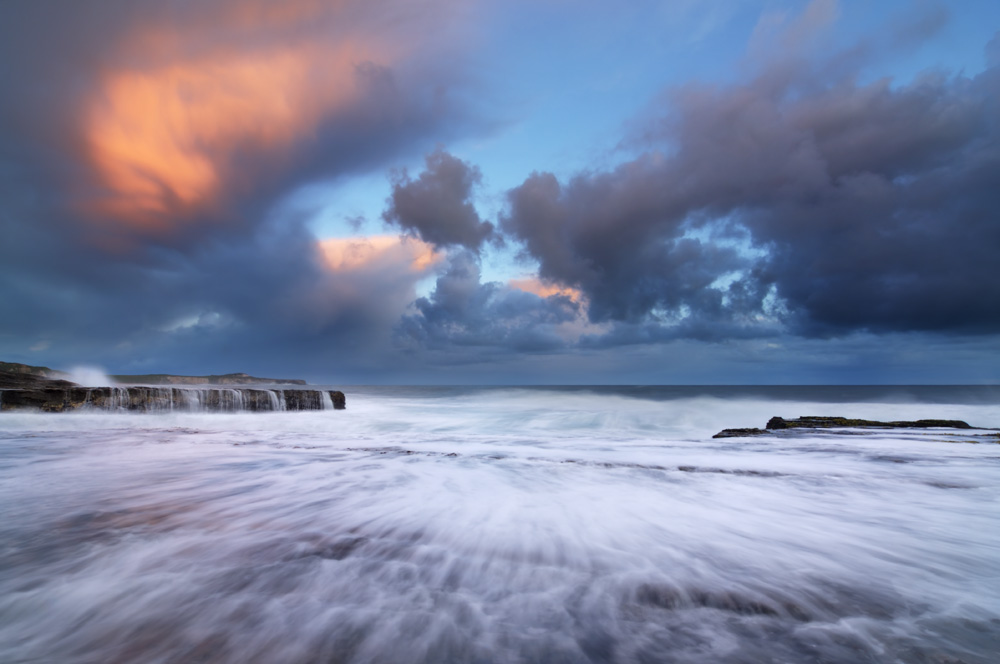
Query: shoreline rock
{"points": [[828, 422], [836, 422], [739, 433], [24, 387], [62, 398]]}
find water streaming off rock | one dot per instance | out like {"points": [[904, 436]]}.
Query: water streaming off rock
{"points": [[513, 525], [149, 399]]}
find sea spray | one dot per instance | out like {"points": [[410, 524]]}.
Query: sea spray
{"points": [[90, 376], [498, 525]]}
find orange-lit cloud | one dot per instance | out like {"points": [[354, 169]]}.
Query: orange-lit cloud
{"points": [[357, 253], [542, 289], [167, 135], [569, 331]]}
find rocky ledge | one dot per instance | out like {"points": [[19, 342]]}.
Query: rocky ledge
{"points": [[223, 379], [15, 381], [827, 422], [25, 387], [67, 396]]}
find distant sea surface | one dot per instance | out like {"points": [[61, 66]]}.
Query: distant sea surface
{"points": [[543, 525]]}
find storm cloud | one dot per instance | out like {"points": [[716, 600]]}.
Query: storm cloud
{"points": [[140, 192], [463, 311], [438, 205], [828, 206], [151, 155]]}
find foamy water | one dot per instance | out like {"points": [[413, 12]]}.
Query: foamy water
{"points": [[437, 525]]}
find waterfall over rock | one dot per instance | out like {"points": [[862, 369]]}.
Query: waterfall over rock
{"points": [[166, 399]]}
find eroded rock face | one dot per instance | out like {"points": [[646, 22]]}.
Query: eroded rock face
{"points": [[61, 396], [23, 387]]}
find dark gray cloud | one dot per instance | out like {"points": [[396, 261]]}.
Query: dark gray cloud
{"points": [[165, 250], [613, 237], [265, 301], [462, 311], [438, 205], [829, 207]]}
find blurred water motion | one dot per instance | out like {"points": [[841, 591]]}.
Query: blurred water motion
{"points": [[433, 525]]}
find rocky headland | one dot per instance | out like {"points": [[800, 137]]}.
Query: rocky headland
{"points": [[16, 375], [23, 387]]}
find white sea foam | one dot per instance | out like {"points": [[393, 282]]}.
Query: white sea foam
{"points": [[498, 526]]}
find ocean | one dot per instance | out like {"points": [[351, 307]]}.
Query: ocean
{"points": [[544, 525]]}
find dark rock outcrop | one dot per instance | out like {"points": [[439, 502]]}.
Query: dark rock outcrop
{"points": [[26, 377], [24, 387], [825, 422], [26, 381], [61, 397], [739, 433], [833, 422], [27, 369]]}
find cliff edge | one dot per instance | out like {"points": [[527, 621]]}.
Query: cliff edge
{"points": [[24, 387]]}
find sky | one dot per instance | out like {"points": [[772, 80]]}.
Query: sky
{"points": [[503, 192]]}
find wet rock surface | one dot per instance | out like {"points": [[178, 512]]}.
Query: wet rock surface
{"points": [[151, 399], [155, 399], [828, 422], [739, 433], [23, 390], [836, 422]]}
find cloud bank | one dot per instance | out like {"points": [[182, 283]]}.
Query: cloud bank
{"points": [[149, 152], [144, 162], [794, 202]]}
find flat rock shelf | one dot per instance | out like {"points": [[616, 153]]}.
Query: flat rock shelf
{"points": [[834, 422], [68, 397]]}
